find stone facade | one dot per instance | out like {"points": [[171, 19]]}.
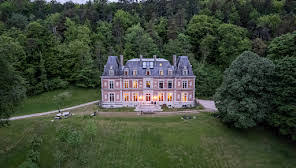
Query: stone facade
{"points": [[146, 81]]}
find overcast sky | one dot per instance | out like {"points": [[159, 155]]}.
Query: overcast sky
{"points": [[77, 1]]}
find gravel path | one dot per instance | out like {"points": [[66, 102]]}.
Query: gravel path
{"points": [[208, 104], [51, 112]]}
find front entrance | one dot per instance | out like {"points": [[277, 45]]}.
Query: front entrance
{"points": [[148, 97]]}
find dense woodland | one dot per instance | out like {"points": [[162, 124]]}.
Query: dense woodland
{"points": [[46, 46]]}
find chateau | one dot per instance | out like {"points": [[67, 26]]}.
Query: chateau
{"points": [[148, 81]]}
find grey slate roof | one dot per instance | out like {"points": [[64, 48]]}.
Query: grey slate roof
{"points": [[137, 64]]}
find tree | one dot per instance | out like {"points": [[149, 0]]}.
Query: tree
{"points": [[271, 21], [259, 47], [283, 116], [12, 89], [208, 79], [282, 46], [199, 27], [179, 46], [233, 40], [137, 42], [243, 99]]}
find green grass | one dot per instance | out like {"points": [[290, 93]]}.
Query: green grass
{"points": [[47, 102], [158, 142]]}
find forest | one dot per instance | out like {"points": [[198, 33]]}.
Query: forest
{"points": [[48, 45]]}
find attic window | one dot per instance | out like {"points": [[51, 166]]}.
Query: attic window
{"points": [[185, 72], [170, 72], [111, 72], [151, 64], [160, 64], [125, 72], [161, 72], [144, 64], [134, 72]]}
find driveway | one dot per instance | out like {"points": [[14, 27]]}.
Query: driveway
{"points": [[208, 104], [51, 112]]}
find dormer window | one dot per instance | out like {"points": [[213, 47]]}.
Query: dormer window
{"points": [[160, 64], [134, 72], [161, 72], [144, 64], [185, 71], [151, 64], [148, 72], [125, 72], [111, 72], [170, 72]]}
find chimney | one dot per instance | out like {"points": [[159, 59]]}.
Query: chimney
{"points": [[154, 57], [175, 60], [121, 60]]}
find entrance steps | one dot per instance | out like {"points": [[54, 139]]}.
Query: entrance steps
{"points": [[148, 108]]}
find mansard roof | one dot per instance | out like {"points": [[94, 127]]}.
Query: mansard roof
{"points": [[158, 64]]}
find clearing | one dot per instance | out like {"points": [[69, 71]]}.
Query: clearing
{"points": [[135, 142]]}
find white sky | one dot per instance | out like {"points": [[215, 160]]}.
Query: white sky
{"points": [[77, 1]]}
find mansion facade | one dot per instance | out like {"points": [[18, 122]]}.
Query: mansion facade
{"points": [[148, 81]]}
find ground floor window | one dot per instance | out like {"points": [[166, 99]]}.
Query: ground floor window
{"points": [[135, 96], [184, 97], [111, 97], [160, 97], [170, 97], [126, 97]]}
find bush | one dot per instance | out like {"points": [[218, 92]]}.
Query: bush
{"points": [[243, 99], [283, 115], [57, 83]]}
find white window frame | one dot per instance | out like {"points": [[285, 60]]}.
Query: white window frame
{"points": [[113, 97], [137, 84], [185, 82], [111, 81], [162, 84]]}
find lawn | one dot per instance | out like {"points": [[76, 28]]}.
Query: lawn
{"points": [[47, 101], [136, 142]]}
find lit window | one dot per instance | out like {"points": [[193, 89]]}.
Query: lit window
{"points": [[135, 96], [134, 72], [111, 97], [160, 84], [126, 84], [184, 84], [126, 97], [148, 72], [160, 97], [170, 97], [160, 64], [161, 72], [135, 84], [111, 84], [170, 84], [184, 97], [151, 64], [148, 84]]}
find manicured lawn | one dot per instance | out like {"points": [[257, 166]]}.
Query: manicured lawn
{"points": [[158, 142], [47, 101]]}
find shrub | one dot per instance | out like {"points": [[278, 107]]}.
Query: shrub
{"points": [[57, 83], [243, 99]]}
